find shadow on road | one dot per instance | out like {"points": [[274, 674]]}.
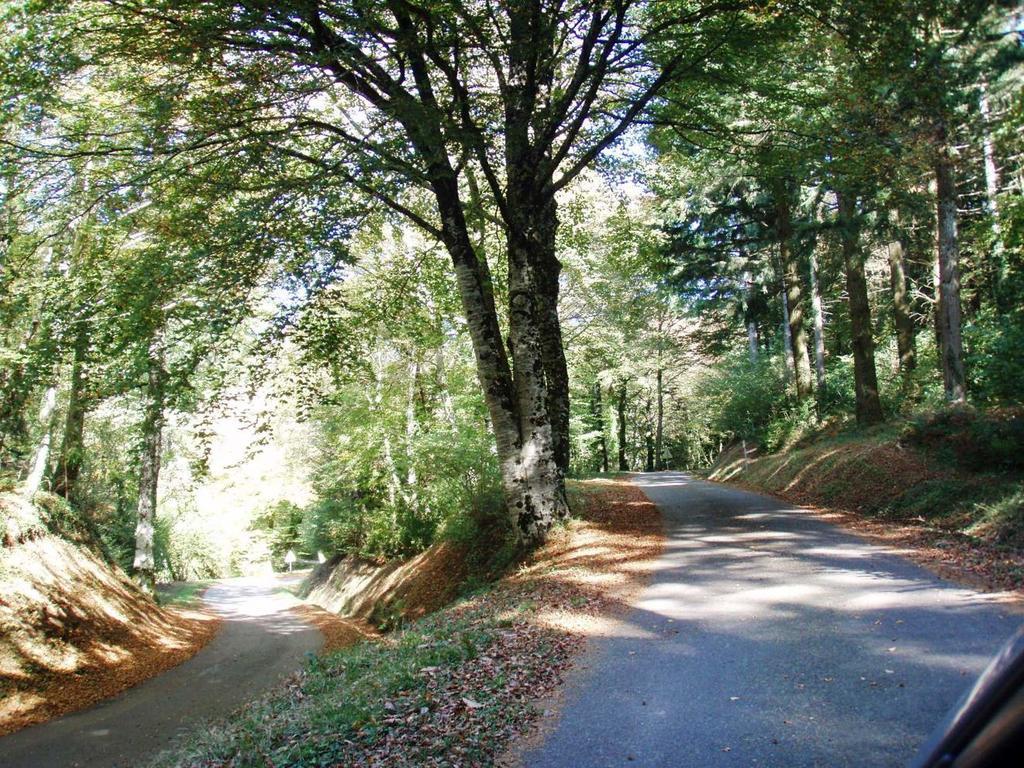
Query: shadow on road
{"points": [[769, 636]]}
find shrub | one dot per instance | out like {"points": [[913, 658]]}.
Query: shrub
{"points": [[976, 440], [994, 364]]}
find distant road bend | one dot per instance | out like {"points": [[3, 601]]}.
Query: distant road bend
{"points": [[770, 637], [259, 642]]}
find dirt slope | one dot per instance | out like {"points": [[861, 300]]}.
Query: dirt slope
{"points": [[386, 593], [73, 629]]}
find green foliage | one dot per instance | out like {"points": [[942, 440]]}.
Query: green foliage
{"points": [[995, 365], [182, 592], [740, 400], [185, 553], [743, 399], [62, 520], [208, 199], [369, 506], [975, 440], [402, 454], [282, 523], [345, 698]]}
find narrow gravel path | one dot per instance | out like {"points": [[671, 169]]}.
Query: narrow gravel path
{"points": [[769, 637], [260, 641]]}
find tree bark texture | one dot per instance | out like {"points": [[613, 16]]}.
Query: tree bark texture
{"points": [[659, 428], [793, 288], [531, 443], [819, 323], [951, 341], [621, 422], [72, 450], [787, 337], [869, 406], [600, 442], [144, 564], [901, 315], [41, 455], [992, 190]]}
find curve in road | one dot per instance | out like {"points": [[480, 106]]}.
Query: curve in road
{"points": [[260, 641], [770, 637]]}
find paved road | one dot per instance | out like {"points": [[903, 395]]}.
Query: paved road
{"points": [[259, 642], [769, 637]]}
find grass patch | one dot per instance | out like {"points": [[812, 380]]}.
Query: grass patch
{"points": [[186, 593], [353, 702]]}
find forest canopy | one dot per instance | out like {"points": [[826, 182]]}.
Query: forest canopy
{"points": [[352, 277]]}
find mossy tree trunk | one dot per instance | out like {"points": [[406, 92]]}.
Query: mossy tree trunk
{"points": [[819, 322], [41, 455]]}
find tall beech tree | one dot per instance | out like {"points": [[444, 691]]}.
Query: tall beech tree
{"points": [[411, 104]]}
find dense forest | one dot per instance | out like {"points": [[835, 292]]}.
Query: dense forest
{"points": [[357, 276]]}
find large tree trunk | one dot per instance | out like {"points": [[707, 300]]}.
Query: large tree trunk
{"points": [[41, 456], [902, 318], [72, 450], [794, 291], [951, 342], [819, 324], [525, 437], [553, 357], [752, 342], [144, 564], [787, 337], [538, 363], [621, 423], [869, 406], [992, 191], [527, 400]]}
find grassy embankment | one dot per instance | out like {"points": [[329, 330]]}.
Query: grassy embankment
{"points": [[456, 686], [948, 487]]}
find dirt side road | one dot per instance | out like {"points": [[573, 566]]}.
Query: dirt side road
{"points": [[769, 637], [260, 641]]}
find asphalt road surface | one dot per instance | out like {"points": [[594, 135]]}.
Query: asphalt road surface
{"points": [[769, 637], [260, 641]]}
